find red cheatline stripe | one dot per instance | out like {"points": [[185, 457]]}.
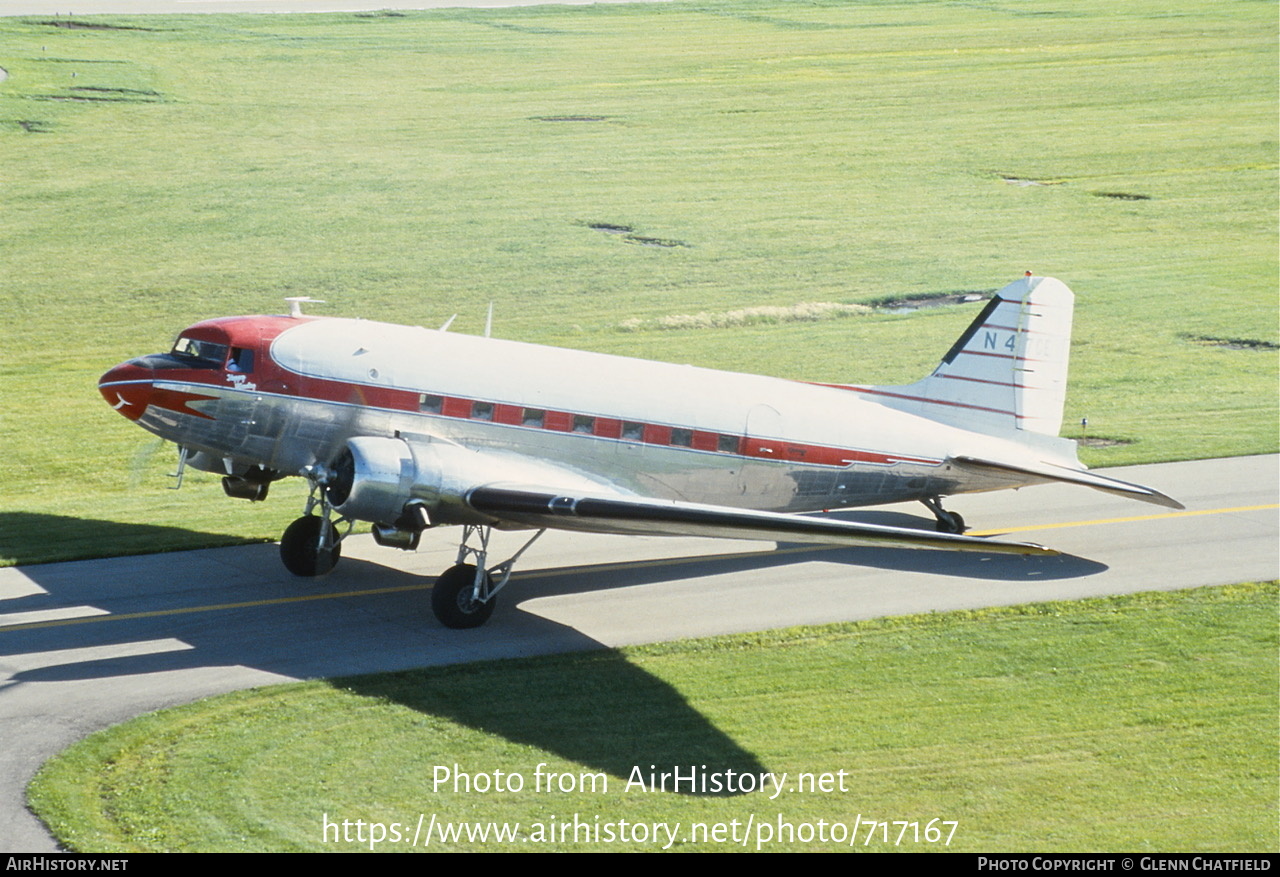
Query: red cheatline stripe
{"points": [[755, 447]]}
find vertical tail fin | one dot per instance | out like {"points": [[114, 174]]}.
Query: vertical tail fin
{"points": [[1008, 371]]}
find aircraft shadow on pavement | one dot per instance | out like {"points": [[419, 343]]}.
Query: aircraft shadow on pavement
{"points": [[630, 718], [188, 614], [592, 707], [293, 627], [959, 564]]}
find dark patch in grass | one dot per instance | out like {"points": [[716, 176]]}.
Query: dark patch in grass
{"points": [[1009, 10], [522, 28], [104, 90], [929, 300], [786, 23], [97, 98], [1233, 343], [568, 118], [73, 24], [80, 61], [1101, 441], [1014, 180], [381, 13], [1121, 196], [610, 228], [31, 126], [628, 234], [104, 94], [645, 241]]}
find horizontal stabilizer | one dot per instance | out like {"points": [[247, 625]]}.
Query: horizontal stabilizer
{"points": [[646, 517], [1050, 472]]}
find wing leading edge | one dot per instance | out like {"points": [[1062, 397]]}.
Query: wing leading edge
{"points": [[637, 516]]}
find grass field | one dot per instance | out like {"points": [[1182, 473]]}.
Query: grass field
{"points": [[601, 173], [585, 168], [1140, 723]]}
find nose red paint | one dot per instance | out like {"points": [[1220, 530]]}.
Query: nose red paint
{"points": [[127, 388]]}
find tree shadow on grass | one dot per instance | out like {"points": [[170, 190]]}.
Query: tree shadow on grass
{"points": [[32, 537], [594, 709]]}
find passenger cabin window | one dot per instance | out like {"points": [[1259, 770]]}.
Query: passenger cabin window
{"points": [[632, 432], [481, 411], [682, 437], [583, 423], [727, 444], [200, 354], [533, 417], [429, 404]]}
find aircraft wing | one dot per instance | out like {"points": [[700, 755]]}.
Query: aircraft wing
{"points": [[532, 507], [1051, 472]]}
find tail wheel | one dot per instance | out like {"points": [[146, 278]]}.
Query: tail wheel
{"points": [[302, 550], [951, 522], [453, 601]]}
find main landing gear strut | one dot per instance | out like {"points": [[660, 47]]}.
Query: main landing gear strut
{"points": [[465, 594], [312, 545], [948, 522]]}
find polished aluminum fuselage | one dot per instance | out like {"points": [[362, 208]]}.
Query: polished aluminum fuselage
{"points": [[629, 426]]}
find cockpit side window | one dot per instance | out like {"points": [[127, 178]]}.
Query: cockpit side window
{"points": [[241, 360], [200, 354]]}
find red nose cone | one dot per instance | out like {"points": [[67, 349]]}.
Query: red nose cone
{"points": [[127, 388]]}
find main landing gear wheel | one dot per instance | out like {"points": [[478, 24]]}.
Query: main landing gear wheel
{"points": [[453, 601], [303, 551]]}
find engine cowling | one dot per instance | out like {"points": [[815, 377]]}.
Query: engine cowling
{"points": [[409, 485], [373, 479]]}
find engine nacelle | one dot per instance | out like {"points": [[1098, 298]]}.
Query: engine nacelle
{"points": [[409, 485], [372, 479]]}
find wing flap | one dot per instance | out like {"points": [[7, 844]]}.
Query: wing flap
{"points": [[638, 516]]}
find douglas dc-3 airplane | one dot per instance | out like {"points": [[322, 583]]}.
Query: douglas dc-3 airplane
{"points": [[408, 428]]}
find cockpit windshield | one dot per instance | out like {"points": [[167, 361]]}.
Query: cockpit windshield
{"points": [[200, 354]]}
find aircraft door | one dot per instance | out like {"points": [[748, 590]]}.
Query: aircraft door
{"points": [[762, 477]]}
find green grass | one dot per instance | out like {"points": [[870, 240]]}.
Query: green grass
{"points": [[1137, 723], [406, 167]]}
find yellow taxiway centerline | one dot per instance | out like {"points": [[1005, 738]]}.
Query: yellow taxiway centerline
{"points": [[276, 601], [126, 616], [1183, 514]]}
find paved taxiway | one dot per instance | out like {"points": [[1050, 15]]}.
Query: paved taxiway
{"points": [[85, 645]]}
